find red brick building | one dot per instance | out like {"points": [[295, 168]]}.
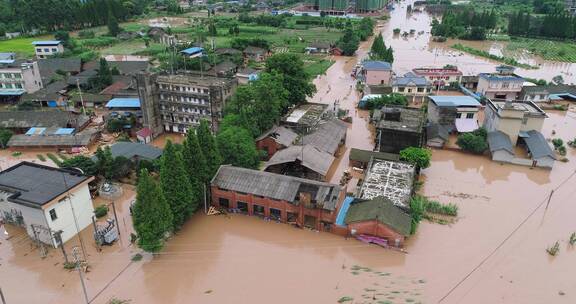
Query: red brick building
{"points": [[275, 139], [293, 200], [379, 217]]}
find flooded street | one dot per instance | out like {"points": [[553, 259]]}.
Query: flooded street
{"points": [[418, 50]]}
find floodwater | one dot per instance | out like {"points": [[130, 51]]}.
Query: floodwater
{"points": [[418, 49]]}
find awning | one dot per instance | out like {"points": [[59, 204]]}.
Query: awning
{"points": [[523, 134], [464, 125], [12, 92]]}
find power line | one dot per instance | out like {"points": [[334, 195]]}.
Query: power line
{"points": [[504, 241]]}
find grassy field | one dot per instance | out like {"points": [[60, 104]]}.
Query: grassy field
{"points": [[21, 46], [124, 48], [316, 65], [547, 49]]}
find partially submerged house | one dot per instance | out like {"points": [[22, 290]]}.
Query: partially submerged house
{"points": [[511, 124], [502, 85], [416, 88], [398, 128], [380, 218], [548, 93], [361, 158], [436, 135], [454, 113], [439, 77], [245, 75], [48, 202], [376, 73], [391, 179], [305, 117], [135, 151], [54, 138], [288, 199], [328, 137]]}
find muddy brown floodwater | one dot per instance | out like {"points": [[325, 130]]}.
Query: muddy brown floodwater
{"points": [[418, 49], [215, 259]]}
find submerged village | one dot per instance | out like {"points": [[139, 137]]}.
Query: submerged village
{"points": [[284, 151]]}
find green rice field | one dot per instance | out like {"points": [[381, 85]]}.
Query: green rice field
{"points": [[21, 46]]}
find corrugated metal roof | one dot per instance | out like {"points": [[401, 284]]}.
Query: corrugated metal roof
{"points": [[123, 103], [455, 101], [192, 50]]}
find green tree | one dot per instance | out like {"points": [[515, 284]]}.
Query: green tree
{"points": [[120, 167], [103, 77], [349, 42], [86, 164], [419, 157], [209, 148], [176, 186], [5, 136], [238, 148], [417, 209], [151, 214], [196, 164], [471, 142], [113, 26], [296, 80], [104, 162]]}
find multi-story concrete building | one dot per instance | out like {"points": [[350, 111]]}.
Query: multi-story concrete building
{"points": [[175, 103], [18, 77], [503, 85], [377, 73], [44, 49], [513, 118], [416, 88], [570, 6], [439, 77]]}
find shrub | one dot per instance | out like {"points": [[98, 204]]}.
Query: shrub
{"points": [[572, 240], [396, 31], [557, 142], [417, 208], [17, 154], [439, 208], [55, 159], [41, 157], [554, 249], [5, 136], [101, 211], [137, 257], [86, 34], [82, 162], [472, 143], [419, 157], [70, 265]]}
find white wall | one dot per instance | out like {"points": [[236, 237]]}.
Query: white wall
{"points": [[83, 209], [31, 216]]}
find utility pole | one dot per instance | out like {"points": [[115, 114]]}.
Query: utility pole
{"points": [[204, 198], [2, 297], [116, 218], [81, 98], [58, 237], [549, 198], [77, 261]]}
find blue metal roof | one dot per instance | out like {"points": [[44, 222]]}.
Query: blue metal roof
{"points": [[454, 101], [123, 103], [343, 210], [377, 65], [47, 42], [64, 131], [35, 131], [192, 50], [12, 92]]}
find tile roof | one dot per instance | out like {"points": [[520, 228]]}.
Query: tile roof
{"points": [[410, 78], [34, 185], [281, 135], [376, 66], [328, 136], [309, 157], [436, 130], [498, 140], [538, 145], [48, 67], [380, 209], [28, 119], [275, 186], [49, 138], [130, 150]]}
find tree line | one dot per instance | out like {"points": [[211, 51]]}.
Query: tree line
{"points": [[353, 34], [379, 51], [466, 24], [52, 15], [556, 25]]}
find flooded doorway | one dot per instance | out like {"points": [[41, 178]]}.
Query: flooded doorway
{"points": [[242, 206], [224, 203], [276, 214], [258, 210], [310, 221]]}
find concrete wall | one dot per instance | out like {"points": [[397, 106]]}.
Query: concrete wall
{"points": [[378, 229], [269, 145], [502, 156], [32, 78], [378, 77], [533, 123], [83, 211], [31, 216]]}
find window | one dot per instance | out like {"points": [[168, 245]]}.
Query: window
{"points": [[524, 120], [38, 50], [469, 115], [505, 85], [53, 215], [459, 115], [420, 90], [46, 50], [54, 50], [18, 86], [400, 89]]}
